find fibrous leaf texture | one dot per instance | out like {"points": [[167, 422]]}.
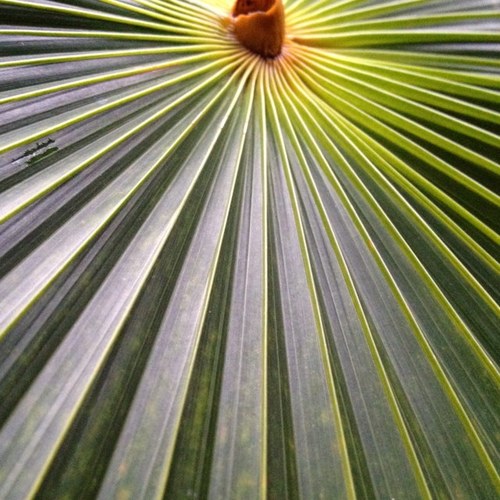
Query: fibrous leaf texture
{"points": [[224, 276]]}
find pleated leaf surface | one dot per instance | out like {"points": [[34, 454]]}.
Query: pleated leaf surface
{"points": [[229, 277]]}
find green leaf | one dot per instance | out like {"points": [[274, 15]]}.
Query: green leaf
{"points": [[228, 277]]}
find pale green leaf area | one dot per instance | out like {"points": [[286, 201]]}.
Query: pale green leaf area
{"points": [[227, 277]]}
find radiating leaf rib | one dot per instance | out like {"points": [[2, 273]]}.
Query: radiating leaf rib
{"points": [[368, 104], [363, 140], [347, 9], [99, 54], [34, 187], [397, 37], [435, 63], [155, 37], [115, 320], [326, 25], [493, 369], [416, 217], [192, 16], [377, 126], [308, 487], [327, 225], [444, 82], [260, 124], [438, 369], [388, 160], [428, 230], [416, 175], [143, 8], [405, 97], [171, 362], [15, 95], [46, 271], [198, 25], [239, 459], [217, 7], [14, 139], [320, 111], [102, 16], [11, 481]]}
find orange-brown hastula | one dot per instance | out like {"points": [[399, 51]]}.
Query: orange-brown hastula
{"points": [[259, 25]]}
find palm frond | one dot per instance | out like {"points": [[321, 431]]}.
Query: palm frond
{"points": [[229, 277]]}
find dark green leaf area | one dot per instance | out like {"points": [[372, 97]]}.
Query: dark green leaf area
{"points": [[86, 450]]}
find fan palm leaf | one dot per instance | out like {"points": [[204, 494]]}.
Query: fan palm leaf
{"points": [[236, 277]]}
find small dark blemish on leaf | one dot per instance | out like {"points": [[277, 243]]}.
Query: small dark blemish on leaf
{"points": [[38, 152]]}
